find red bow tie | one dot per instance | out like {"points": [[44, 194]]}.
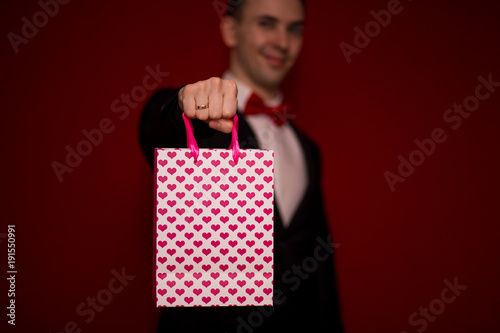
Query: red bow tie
{"points": [[278, 114]]}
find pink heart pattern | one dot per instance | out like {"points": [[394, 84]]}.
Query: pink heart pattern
{"points": [[214, 228]]}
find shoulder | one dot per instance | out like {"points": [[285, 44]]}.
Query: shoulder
{"points": [[308, 144]]}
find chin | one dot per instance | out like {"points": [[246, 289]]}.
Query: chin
{"points": [[275, 77], [272, 84]]}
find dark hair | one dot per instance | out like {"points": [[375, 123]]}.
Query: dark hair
{"points": [[234, 8]]}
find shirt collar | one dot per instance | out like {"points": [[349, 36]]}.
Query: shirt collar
{"points": [[244, 93]]}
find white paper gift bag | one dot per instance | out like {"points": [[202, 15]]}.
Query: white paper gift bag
{"points": [[214, 225]]}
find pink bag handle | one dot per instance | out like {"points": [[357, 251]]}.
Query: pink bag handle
{"points": [[191, 141]]}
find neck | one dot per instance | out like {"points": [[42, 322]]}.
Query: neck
{"points": [[266, 93]]}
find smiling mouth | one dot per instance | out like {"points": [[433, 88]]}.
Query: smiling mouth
{"points": [[275, 61]]}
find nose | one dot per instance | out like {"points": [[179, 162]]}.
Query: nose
{"points": [[281, 38]]}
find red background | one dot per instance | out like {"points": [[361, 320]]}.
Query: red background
{"points": [[396, 248]]}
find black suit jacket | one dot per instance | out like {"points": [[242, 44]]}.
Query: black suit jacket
{"points": [[304, 281]]}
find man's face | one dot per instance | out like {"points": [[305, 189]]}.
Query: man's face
{"points": [[268, 39]]}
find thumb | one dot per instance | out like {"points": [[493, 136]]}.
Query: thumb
{"points": [[223, 125]]}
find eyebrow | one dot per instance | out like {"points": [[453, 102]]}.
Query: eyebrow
{"points": [[275, 20]]}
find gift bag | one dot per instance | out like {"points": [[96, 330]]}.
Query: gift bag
{"points": [[214, 225]]}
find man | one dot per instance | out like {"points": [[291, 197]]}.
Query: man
{"points": [[264, 38]]}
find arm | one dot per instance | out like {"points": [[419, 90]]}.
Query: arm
{"points": [[161, 123]]}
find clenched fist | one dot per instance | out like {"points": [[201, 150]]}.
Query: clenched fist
{"points": [[220, 96]]}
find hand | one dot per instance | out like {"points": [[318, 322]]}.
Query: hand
{"points": [[219, 94]]}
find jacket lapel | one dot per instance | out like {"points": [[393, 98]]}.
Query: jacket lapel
{"points": [[248, 140], [300, 215]]}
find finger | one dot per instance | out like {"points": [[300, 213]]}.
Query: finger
{"points": [[226, 125], [230, 100], [201, 99], [187, 102], [223, 125], [215, 100]]}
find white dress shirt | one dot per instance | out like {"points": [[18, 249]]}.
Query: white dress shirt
{"points": [[290, 170]]}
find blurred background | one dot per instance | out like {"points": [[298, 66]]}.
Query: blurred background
{"points": [[364, 97]]}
